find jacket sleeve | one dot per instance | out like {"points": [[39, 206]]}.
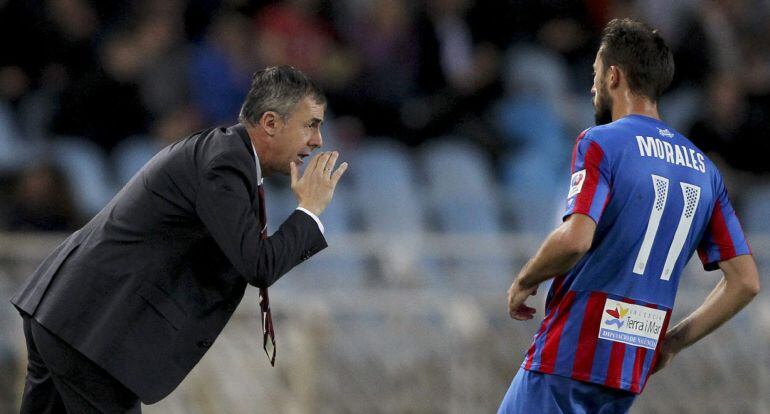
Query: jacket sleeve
{"points": [[224, 205]]}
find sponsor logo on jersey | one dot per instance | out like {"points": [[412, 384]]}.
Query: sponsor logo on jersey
{"points": [[664, 132], [619, 313], [576, 183], [631, 324]]}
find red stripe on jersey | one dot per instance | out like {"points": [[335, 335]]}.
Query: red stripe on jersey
{"points": [[615, 369], [636, 377], [589, 335], [551, 345], [720, 234], [533, 347], [585, 198], [574, 150]]}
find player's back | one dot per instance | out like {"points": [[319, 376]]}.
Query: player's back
{"points": [[655, 198], [660, 198]]}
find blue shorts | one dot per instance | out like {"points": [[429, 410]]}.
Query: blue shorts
{"points": [[534, 392]]}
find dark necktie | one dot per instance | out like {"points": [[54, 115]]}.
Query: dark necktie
{"points": [[268, 333]]}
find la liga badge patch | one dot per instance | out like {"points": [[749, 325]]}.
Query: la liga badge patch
{"points": [[576, 183]]}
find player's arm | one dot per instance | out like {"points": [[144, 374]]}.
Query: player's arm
{"points": [[561, 250], [738, 286]]}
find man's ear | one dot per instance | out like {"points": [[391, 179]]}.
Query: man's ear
{"points": [[270, 122], [614, 78]]}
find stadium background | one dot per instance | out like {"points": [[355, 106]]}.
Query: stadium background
{"points": [[457, 118]]}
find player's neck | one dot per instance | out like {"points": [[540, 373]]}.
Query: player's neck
{"points": [[630, 104]]}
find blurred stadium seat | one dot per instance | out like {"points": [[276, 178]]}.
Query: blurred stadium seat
{"points": [[462, 196], [756, 210], [390, 199]]}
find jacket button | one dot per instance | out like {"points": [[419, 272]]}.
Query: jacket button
{"points": [[205, 343]]}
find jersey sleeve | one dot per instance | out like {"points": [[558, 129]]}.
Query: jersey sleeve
{"points": [[590, 183], [724, 238]]}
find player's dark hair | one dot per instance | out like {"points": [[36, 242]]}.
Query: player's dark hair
{"points": [[278, 89], [641, 53]]}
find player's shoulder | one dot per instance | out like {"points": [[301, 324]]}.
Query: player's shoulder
{"points": [[601, 135]]}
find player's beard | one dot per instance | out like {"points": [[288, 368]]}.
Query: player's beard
{"points": [[602, 107]]}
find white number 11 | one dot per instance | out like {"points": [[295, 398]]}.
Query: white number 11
{"points": [[691, 195]]}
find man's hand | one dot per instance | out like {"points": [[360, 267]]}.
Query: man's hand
{"points": [[668, 351], [517, 295], [738, 286], [315, 188]]}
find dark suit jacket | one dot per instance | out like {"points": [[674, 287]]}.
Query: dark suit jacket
{"points": [[146, 286]]}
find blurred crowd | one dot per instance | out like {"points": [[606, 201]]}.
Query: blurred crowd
{"points": [[89, 90]]}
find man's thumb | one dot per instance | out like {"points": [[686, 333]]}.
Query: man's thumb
{"points": [[294, 173]]}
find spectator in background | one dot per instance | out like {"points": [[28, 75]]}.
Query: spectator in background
{"points": [[382, 36], [57, 44], [45, 45], [296, 33], [458, 76], [159, 33], [104, 105], [407, 70], [41, 202], [734, 126], [716, 131], [221, 67], [755, 68], [69, 43], [292, 31], [164, 85], [709, 43]]}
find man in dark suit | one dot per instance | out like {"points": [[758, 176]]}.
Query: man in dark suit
{"points": [[125, 307]]}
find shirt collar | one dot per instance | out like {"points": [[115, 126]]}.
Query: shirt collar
{"points": [[256, 161]]}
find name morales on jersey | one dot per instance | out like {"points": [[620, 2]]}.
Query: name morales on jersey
{"points": [[674, 154]]}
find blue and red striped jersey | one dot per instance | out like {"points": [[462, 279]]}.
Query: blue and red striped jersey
{"points": [[655, 199]]}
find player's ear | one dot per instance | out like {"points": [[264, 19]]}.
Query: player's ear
{"points": [[614, 76]]}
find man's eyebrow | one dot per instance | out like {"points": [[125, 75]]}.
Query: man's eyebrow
{"points": [[316, 121]]}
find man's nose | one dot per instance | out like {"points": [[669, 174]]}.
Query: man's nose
{"points": [[316, 141]]}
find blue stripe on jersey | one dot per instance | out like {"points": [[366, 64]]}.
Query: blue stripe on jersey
{"points": [[629, 357], [646, 368], [565, 358], [601, 361]]}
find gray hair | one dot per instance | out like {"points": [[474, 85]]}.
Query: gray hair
{"points": [[278, 89]]}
